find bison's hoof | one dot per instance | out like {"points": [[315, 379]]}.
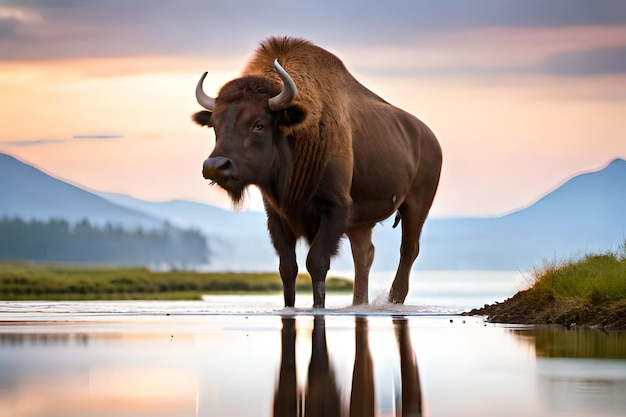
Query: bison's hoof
{"points": [[394, 300]]}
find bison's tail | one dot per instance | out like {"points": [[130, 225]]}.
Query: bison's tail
{"points": [[396, 221]]}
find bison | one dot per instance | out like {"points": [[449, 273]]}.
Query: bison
{"points": [[330, 157]]}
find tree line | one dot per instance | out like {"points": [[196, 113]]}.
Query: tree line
{"points": [[57, 240]]}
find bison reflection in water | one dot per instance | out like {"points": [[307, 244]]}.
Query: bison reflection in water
{"points": [[330, 157], [322, 395]]}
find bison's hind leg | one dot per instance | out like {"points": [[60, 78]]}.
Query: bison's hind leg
{"points": [[363, 256], [413, 213], [409, 249]]}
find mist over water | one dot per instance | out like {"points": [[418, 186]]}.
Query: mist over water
{"points": [[454, 291], [431, 292]]}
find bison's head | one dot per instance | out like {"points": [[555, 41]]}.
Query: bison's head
{"points": [[252, 119]]}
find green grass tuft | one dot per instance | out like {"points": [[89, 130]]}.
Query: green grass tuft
{"points": [[595, 278]]}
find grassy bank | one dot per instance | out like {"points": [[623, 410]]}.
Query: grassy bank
{"points": [[60, 282], [588, 291]]}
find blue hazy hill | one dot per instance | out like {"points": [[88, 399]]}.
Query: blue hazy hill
{"points": [[595, 200], [238, 240], [585, 214], [29, 193]]}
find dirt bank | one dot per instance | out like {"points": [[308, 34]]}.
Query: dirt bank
{"points": [[525, 307]]}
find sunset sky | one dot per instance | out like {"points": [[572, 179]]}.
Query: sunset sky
{"points": [[521, 94]]}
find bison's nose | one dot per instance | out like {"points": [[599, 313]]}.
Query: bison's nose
{"points": [[218, 168]]}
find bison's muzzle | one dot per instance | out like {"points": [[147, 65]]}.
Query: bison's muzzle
{"points": [[218, 169]]}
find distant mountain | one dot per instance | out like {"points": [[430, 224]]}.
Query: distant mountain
{"points": [[585, 214], [29, 193], [238, 240], [595, 201], [76, 225]]}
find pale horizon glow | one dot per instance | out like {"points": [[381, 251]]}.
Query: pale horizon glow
{"points": [[518, 109]]}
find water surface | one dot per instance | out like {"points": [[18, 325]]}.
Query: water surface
{"points": [[246, 356]]}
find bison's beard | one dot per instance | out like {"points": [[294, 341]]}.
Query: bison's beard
{"points": [[235, 190]]}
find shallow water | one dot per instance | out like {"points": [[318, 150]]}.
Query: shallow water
{"points": [[246, 356]]}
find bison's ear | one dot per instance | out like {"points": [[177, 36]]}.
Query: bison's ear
{"points": [[203, 118], [293, 115]]}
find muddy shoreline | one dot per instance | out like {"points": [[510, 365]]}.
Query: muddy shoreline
{"points": [[526, 308]]}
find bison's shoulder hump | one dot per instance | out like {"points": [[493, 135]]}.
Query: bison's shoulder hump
{"points": [[277, 46], [294, 54]]}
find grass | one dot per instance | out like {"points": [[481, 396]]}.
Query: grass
{"points": [[62, 282], [589, 291], [594, 278]]}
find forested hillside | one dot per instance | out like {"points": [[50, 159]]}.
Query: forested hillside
{"points": [[59, 241]]}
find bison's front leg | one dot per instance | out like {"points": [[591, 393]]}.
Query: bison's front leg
{"points": [[332, 226], [285, 244]]}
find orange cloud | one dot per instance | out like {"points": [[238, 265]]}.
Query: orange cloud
{"points": [[533, 129]]}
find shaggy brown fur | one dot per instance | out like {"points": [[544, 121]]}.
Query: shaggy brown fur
{"points": [[325, 133], [335, 161]]}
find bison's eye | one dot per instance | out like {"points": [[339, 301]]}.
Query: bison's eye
{"points": [[258, 127]]}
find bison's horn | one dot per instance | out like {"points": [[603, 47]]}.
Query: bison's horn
{"points": [[285, 97], [204, 100]]}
